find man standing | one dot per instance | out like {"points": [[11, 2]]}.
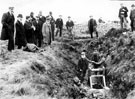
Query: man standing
{"points": [[59, 25], [8, 28], [20, 38], [29, 29], [70, 25], [52, 22], [123, 13], [47, 32], [38, 31], [132, 16], [82, 66], [92, 25]]}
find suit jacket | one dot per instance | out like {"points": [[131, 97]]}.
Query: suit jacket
{"points": [[29, 32], [92, 23], [59, 23], [69, 24], [7, 26], [132, 14], [38, 26], [42, 19], [82, 64], [20, 38], [52, 22]]}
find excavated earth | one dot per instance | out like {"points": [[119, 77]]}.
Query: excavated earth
{"points": [[49, 74]]}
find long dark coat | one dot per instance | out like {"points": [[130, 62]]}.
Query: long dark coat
{"points": [[42, 19], [29, 32], [20, 38], [7, 26], [8, 29], [92, 25], [69, 24], [38, 32]]}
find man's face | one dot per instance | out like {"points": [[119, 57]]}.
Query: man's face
{"points": [[50, 13], [32, 14], [91, 17], [48, 21], [40, 13], [29, 19], [121, 5], [83, 55], [11, 11], [20, 19], [60, 16]]}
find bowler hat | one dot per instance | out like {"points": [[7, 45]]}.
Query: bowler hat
{"points": [[47, 18], [27, 17], [20, 15]]}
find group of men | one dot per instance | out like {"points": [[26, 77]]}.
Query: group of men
{"points": [[123, 14], [39, 30]]}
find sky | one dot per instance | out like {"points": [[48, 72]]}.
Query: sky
{"points": [[79, 10]]}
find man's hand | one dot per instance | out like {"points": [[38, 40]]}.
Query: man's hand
{"points": [[90, 60], [33, 27]]}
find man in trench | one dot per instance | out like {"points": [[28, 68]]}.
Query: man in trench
{"points": [[82, 66]]}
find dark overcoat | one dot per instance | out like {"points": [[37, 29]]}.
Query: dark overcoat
{"points": [[7, 26], [38, 30], [29, 32], [42, 19], [92, 24], [59, 23], [20, 38]]}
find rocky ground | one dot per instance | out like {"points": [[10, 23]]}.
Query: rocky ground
{"points": [[49, 74]]}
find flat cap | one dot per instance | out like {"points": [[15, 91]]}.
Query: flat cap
{"points": [[27, 17]]}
